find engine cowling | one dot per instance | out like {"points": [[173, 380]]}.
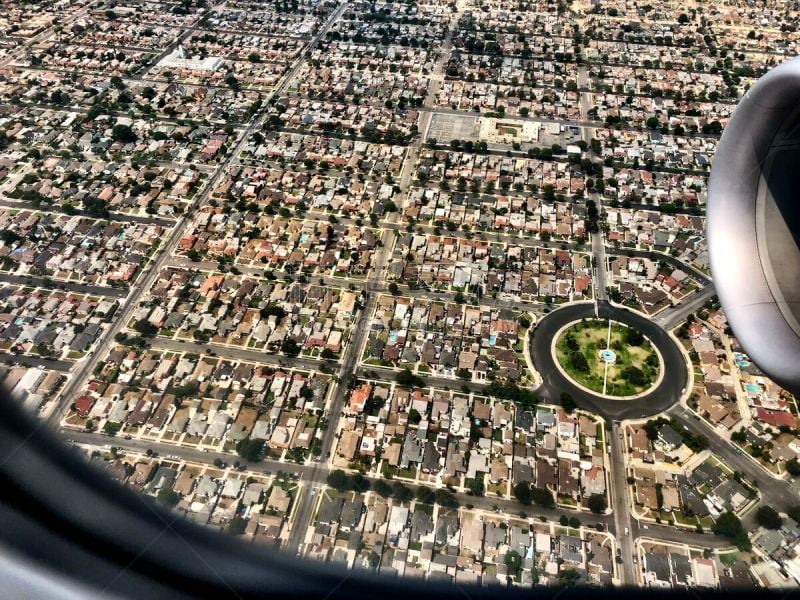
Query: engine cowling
{"points": [[754, 223]]}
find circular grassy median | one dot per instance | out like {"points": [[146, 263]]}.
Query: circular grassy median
{"points": [[629, 364]]}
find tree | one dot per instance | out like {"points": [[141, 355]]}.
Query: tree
{"points": [[697, 443], [579, 362], [567, 402], [728, 525], [542, 497], [393, 289], [523, 397], [337, 479], [597, 504], [793, 466], [571, 343], [182, 391], [475, 485], [9, 237], [425, 495], [123, 133], [407, 378], [768, 517], [273, 310], [634, 375], [250, 449], [290, 347], [522, 492], [402, 493], [446, 499], [513, 561], [358, 483], [232, 82], [382, 488], [168, 497], [145, 328], [634, 337], [111, 428]]}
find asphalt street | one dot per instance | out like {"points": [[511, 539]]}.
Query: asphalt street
{"points": [[164, 254], [621, 505], [669, 319], [115, 216], [310, 474], [667, 393], [778, 493], [667, 258], [600, 274], [35, 361], [313, 475], [238, 353], [67, 286]]}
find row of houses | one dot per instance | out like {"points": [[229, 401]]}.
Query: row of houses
{"points": [[247, 312], [471, 265], [462, 546], [472, 443], [447, 339]]}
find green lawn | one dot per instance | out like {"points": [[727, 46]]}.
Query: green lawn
{"points": [[636, 367]]}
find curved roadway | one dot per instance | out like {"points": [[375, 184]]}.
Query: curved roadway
{"points": [[667, 393]]}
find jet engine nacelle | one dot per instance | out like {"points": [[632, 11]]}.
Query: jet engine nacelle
{"points": [[754, 223]]}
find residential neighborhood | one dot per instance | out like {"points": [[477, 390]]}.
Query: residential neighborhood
{"points": [[416, 289]]}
